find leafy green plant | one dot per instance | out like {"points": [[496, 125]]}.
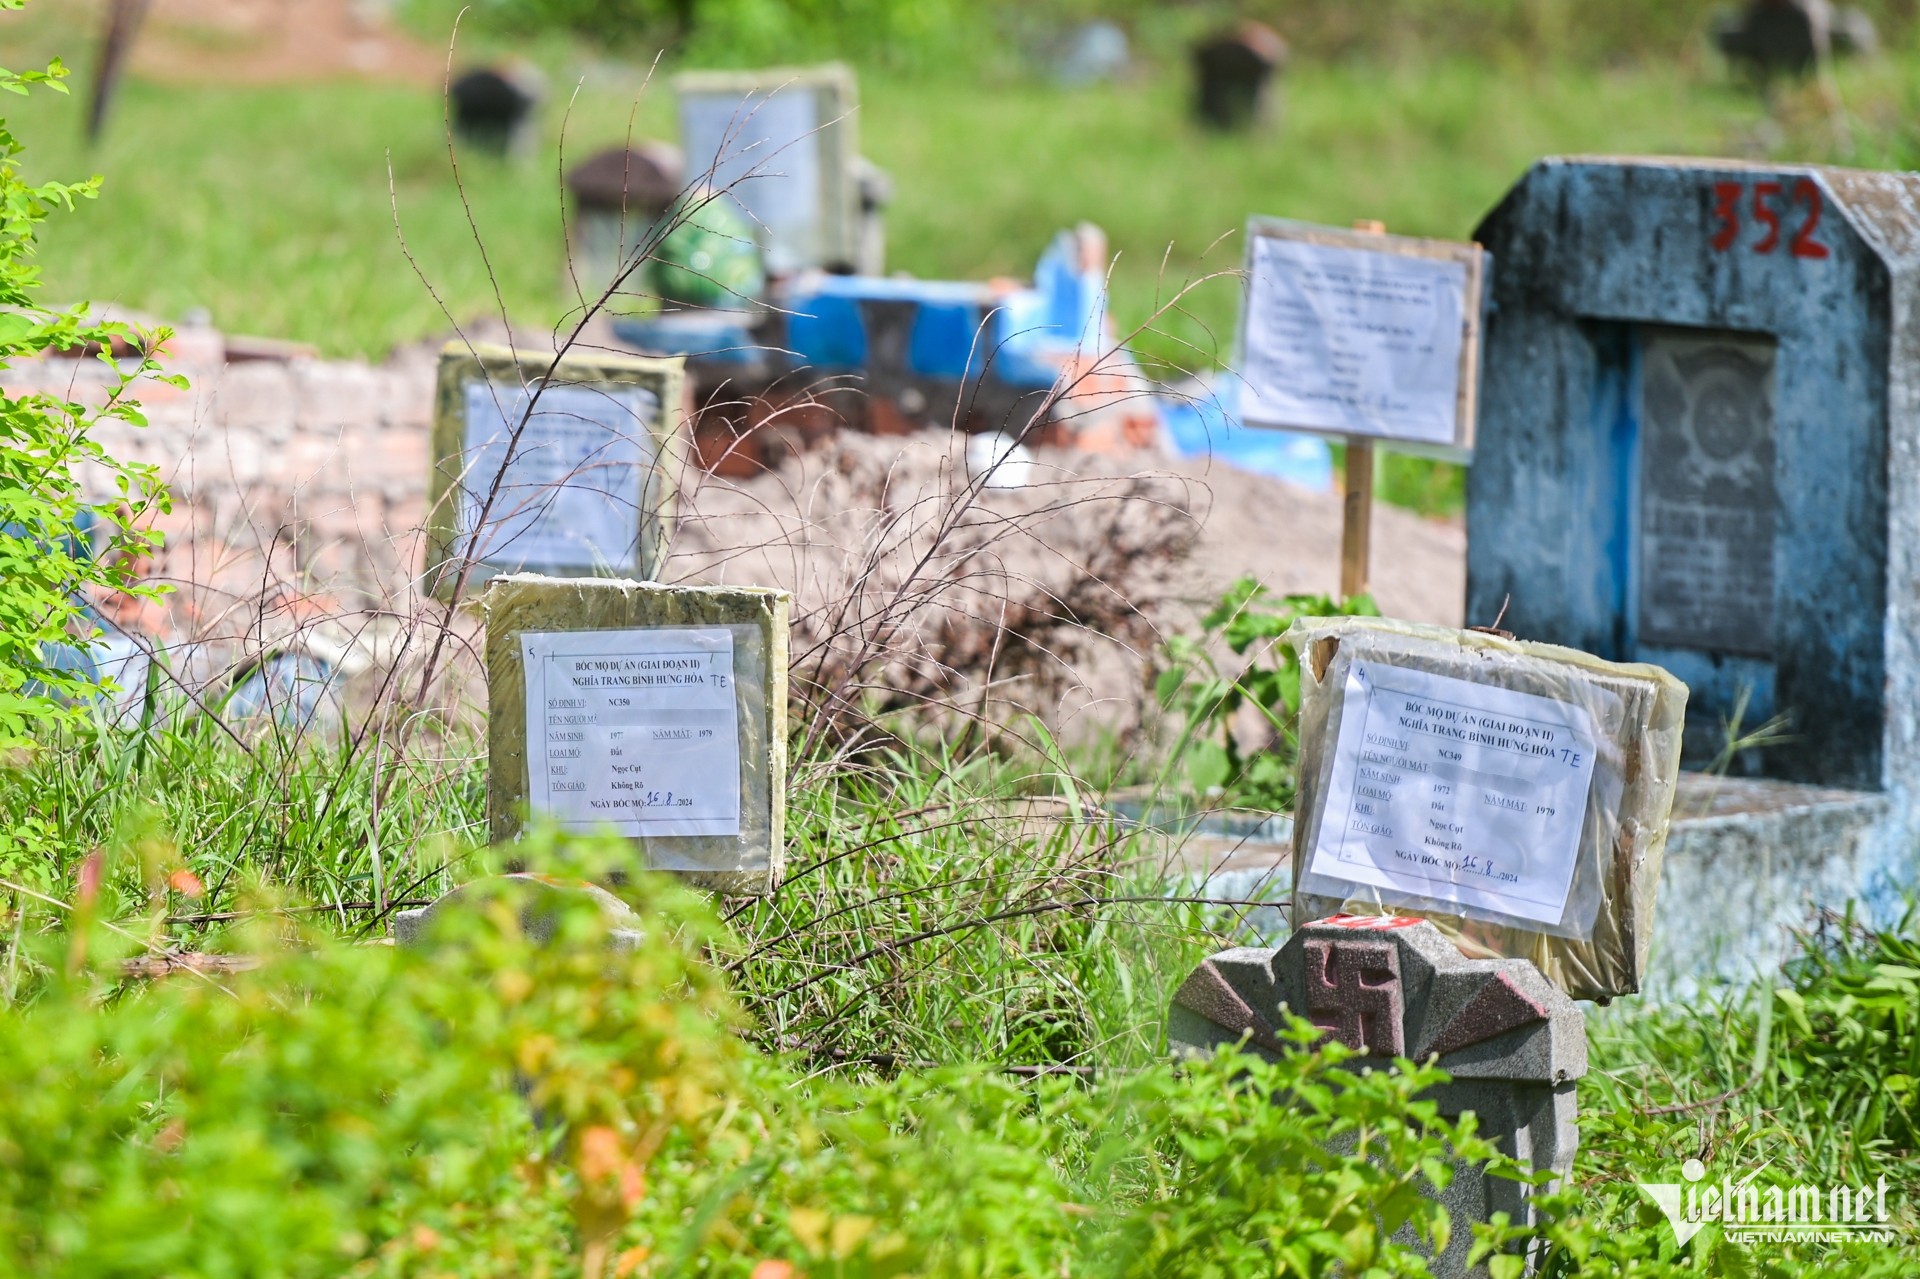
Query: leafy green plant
{"points": [[1204, 693], [50, 564], [491, 1106]]}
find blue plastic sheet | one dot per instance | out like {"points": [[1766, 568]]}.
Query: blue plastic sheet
{"points": [[1202, 420]]}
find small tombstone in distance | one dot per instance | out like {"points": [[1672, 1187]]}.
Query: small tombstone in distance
{"points": [[619, 196], [1233, 72], [650, 711], [1792, 37], [548, 464], [1091, 53], [1395, 987], [493, 107]]}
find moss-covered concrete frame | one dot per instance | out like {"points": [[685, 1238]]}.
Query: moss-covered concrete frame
{"points": [[750, 864], [460, 365]]}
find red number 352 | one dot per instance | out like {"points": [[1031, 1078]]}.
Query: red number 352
{"points": [[1768, 203]]}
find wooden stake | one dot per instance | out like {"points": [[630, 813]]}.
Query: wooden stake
{"points": [[1356, 482], [1356, 531]]}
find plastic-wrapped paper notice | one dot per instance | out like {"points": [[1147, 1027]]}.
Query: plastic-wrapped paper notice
{"points": [[1516, 794]]}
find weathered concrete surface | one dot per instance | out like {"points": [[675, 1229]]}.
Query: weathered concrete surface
{"points": [[1597, 257], [1515, 1045], [1748, 862], [1588, 252], [751, 862]]}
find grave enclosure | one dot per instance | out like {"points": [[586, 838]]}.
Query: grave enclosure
{"points": [[1699, 447]]}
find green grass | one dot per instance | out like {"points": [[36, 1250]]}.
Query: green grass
{"points": [[330, 213], [273, 207]]}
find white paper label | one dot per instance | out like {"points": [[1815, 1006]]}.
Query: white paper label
{"points": [[1354, 342], [1456, 792], [571, 496], [635, 730]]}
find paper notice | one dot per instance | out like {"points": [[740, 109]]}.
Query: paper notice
{"points": [[634, 731], [1353, 341], [1456, 793], [571, 495]]}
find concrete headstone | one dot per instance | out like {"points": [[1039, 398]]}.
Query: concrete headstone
{"points": [[1514, 1044], [650, 711], [618, 196], [1233, 75], [1699, 446], [1518, 794], [549, 465], [493, 107]]}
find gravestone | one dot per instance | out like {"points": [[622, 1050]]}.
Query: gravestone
{"points": [[1091, 53], [619, 196], [782, 145], [1395, 987], [654, 712], [1793, 37], [493, 108], [1699, 446], [544, 465], [1233, 76]]}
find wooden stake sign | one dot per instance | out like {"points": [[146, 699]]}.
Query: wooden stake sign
{"points": [[1362, 336]]}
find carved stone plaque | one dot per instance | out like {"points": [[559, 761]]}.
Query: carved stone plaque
{"points": [[1707, 499]]}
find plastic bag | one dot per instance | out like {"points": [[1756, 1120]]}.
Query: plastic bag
{"points": [[1516, 794]]}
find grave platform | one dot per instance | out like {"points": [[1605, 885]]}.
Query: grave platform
{"points": [[1748, 861]]}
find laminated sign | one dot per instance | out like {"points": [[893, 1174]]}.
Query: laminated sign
{"points": [[555, 465], [1360, 335], [1457, 792], [635, 709], [1516, 794]]}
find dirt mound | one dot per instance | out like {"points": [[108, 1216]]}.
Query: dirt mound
{"points": [[1050, 598]]}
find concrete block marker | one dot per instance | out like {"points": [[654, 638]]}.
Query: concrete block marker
{"points": [[1395, 986], [1460, 793], [546, 465], [1517, 794], [650, 711]]}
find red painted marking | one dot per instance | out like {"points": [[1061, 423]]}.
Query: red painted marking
{"points": [[1371, 923], [1803, 245], [1726, 207], [1766, 214]]}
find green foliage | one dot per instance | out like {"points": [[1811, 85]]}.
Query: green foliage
{"points": [[49, 565], [1204, 694], [298, 819], [493, 1107], [1294, 1170]]}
